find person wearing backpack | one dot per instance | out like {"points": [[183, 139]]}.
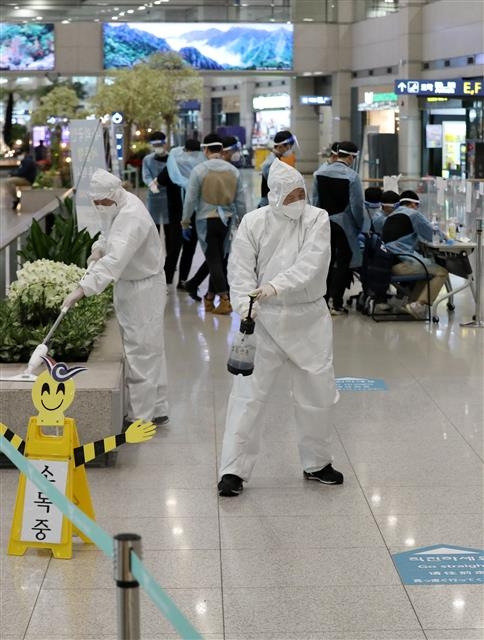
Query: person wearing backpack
{"points": [[216, 193]]}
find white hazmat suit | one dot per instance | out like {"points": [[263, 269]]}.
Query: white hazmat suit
{"points": [[132, 257], [288, 248]]}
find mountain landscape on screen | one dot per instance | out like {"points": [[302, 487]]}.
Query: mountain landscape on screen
{"points": [[220, 47]]}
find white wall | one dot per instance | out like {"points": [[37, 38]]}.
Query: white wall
{"points": [[452, 29], [375, 42], [316, 47]]}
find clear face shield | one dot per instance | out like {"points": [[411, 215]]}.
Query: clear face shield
{"points": [[287, 148], [353, 156], [233, 154]]}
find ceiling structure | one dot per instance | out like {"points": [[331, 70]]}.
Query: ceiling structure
{"points": [[155, 10]]}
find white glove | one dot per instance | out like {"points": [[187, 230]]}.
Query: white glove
{"points": [[96, 254], [263, 292], [153, 187], [73, 297]]}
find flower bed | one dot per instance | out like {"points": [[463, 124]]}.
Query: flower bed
{"points": [[33, 303]]}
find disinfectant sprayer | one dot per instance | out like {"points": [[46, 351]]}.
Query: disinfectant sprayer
{"points": [[242, 353]]}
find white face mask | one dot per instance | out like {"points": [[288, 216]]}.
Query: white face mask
{"points": [[235, 156], [159, 151], [107, 211], [287, 153], [294, 210]]}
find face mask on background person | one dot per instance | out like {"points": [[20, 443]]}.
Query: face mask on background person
{"points": [[235, 156], [159, 151]]}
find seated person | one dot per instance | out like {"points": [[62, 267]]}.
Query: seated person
{"points": [[372, 207], [388, 201], [23, 176], [408, 243]]}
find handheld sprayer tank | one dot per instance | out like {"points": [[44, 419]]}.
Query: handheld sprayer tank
{"points": [[242, 353]]}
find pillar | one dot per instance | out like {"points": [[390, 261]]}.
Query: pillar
{"points": [[410, 66]]}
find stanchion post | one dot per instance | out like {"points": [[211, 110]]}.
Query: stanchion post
{"points": [[127, 586], [477, 322]]}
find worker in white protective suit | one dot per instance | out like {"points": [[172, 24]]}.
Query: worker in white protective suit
{"points": [[281, 255], [130, 254]]}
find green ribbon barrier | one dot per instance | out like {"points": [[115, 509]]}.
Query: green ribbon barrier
{"points": [[92, 530], [162, 600], [103, 540]]}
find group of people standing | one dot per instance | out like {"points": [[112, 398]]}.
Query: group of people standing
{"points": [[289, 256], [196, 193]]}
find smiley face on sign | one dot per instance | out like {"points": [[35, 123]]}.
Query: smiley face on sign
{"points": [[53, 392]]}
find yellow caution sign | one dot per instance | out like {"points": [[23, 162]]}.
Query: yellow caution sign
{"points": [[52, 446]]}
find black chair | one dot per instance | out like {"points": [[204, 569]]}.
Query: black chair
{"points": [[397, 226], [333, 194]]}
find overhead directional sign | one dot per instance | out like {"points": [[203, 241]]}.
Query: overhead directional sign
{"points": [[455, 87], [360, 384], [440, 564], [325, 101]]}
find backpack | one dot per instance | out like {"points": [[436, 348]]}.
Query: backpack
{"points": [[376, 268]]}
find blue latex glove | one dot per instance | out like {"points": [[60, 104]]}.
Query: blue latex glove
{"points": [[187, 233]]}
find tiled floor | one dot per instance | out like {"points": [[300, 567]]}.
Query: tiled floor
{"points": [[286, 560]]}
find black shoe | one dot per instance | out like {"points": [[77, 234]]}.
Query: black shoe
{"points": [[160, 420], [192, 291], [230, 486], [181, 285], [15, 204], [327, 475]]}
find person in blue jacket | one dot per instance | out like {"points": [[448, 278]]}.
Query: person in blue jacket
{"points": [[338, 190], [153, 165], [422, 230], [216, 193]]}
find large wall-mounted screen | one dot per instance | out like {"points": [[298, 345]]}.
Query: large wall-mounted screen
{"points": [[204, 46], [26, 47]]}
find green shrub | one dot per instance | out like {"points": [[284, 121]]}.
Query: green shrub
{"points": [[34, 302], [63, 243]]}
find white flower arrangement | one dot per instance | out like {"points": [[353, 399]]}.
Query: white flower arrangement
{"points": [[45, 282]]}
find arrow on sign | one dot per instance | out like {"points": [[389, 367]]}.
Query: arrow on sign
{"points": [[402, 86]]}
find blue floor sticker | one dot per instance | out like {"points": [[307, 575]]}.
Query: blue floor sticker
{"points": [[441, 564], [360, 384]]}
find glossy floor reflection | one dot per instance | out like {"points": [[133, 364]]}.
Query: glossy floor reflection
{"points": [[286, 560]]}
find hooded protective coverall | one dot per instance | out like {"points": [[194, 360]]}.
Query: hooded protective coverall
{"points": [[290, 250], [132, 258]]}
